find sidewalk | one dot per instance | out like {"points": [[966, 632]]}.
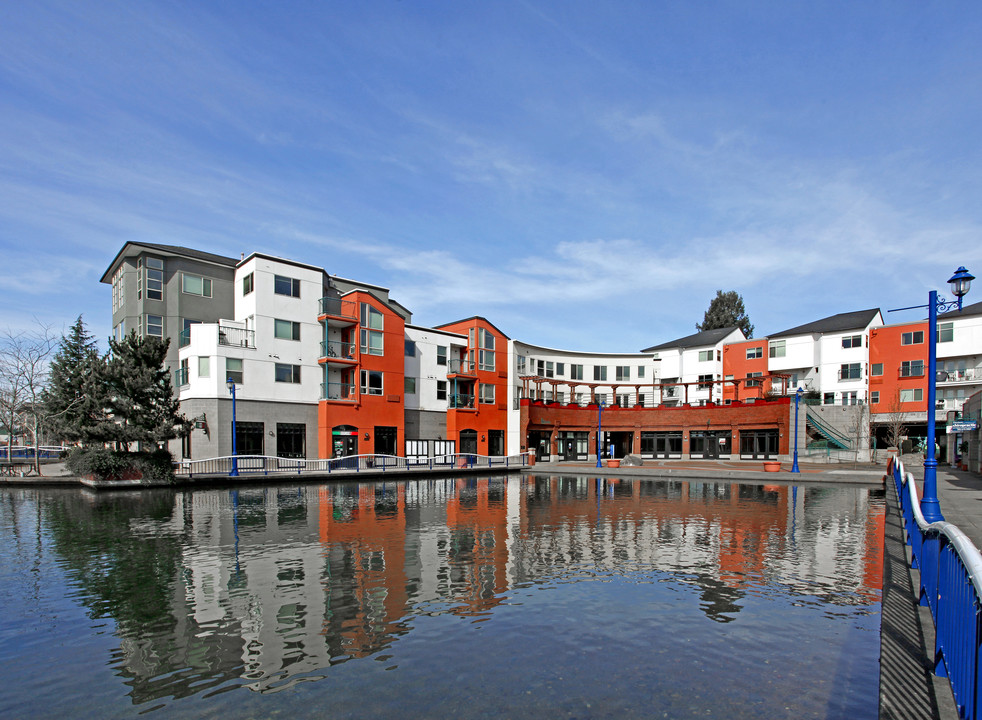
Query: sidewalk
{"points": [[960, 495]]}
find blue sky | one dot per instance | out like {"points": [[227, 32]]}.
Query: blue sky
{"points": [[585, 175]]}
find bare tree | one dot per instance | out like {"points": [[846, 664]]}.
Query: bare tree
{"points": [[23, 375], [896, 419]]}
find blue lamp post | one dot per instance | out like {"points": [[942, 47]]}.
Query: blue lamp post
{"points": [[600, 417], [960, 283], [797, 400], [235, 460]]}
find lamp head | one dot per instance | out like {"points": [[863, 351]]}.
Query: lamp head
{"points": [[230, 384], [960, 282]]}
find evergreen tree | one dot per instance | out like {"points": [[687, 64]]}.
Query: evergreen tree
{"points": [[73, 400], [140, 398], [727, 310]]}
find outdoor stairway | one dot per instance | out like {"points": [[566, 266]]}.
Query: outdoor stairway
{"points": [[834, 437]]}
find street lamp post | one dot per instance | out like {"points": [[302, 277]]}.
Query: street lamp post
{"points": [[235, 460], [600, 417], [797, 400], [960, 283]]}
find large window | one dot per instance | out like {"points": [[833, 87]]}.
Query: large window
{"points": [[777, 348], [874, 397], [151, 275], [560, 369], [233, 370], [912, 395], [640, 371], [410, 348], [946, 332], [155, 326], [850, 371], [754, 353], [622, 372], [576, 372], [372, 326], [705, 355], [915, 337], [286, 329], [912, 368], [409, 385], [118, 288], [753, 383], [705, 381], [876, 369], [441, 355], [195, 285], [283, 285], [287, 373], [600, 373], [441, 389], [291, 440], [371, 382], [852, 341], [248, 284], [486, 392], [485, 350], [204, 367]]}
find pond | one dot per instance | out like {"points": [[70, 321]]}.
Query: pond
{"points": [[492, 597]]}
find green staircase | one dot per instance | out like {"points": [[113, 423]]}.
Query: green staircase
{"points": [[834, 437]]}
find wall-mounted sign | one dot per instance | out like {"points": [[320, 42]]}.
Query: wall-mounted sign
{"points": [[958, 426]]}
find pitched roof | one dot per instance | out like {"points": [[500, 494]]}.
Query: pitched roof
{"points": [[699, 339], [834, 323], [973, 309], [173, 250]]}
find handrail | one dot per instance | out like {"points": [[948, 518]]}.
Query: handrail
{"points": [[826, 430], [266, 464], [951, 586]]}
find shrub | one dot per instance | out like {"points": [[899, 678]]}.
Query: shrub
{"points": [[103, 464]]}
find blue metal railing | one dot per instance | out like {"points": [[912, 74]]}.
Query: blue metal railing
{"points": [[266, 464], [951, 586]]}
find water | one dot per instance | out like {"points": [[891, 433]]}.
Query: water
{"points": [[497, 597]]}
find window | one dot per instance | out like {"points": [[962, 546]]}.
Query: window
{"points": [[828, 398], [874, 397], [915, 337], [541, 365], [576, 372], [118, 289], [852, 341], [600, 372], [550, 369], [560, 369], [195, 285], [283, 285], [155, 325], [486, 391], [876, 369], [705, 355], [233, 370], [441, 389], [777, 348], [154, 272], [204, 367], [441, 355], [754, 353], [183, 374], [119, 332], [286, 329], [287, 373], [485, 354], [372, 325], [622, 372], [410, 385], [640, 371], [850, 398], [248, 284], [753, 383], [521, 364], [371, 382], [850, 371], [705, 381], [912, 395], [946, 332], [912, 368]]}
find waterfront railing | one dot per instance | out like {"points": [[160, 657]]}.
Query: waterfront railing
{"points": [[950, 569], [267, 464]]}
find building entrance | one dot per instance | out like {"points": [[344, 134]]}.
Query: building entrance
{"points": [[344, 441], [538, 440], [710, 444], [622, 442], [758, 444], [468, 442], [385, 440]]}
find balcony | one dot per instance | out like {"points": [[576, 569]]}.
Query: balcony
{"points": [[966, 375], [339, 392], [461, 402], [337, 312], [181, 377], [236, 337], [185, 338], [335, 350], [850, 374], [461, 367]]}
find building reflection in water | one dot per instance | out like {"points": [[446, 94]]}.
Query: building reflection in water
{"points": [[264, 587]]}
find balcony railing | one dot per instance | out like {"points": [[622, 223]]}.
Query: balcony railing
{"points": [[339, 308], [460, 367], [236, 337], [185, 338], [338, 349], [966, 375], [181, 377], [850, 375], [461, 401], [912, 371], [337, 391]]}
